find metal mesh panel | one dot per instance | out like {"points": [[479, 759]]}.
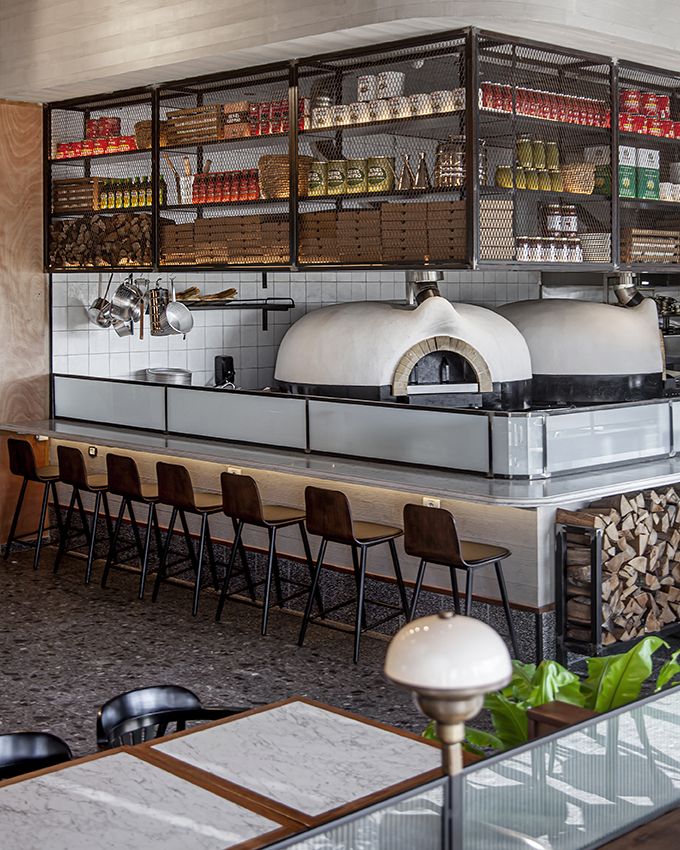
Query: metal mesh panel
{"points": [[381, 157], [101, 184], [545, 141], [649, 168], [224, 158]]}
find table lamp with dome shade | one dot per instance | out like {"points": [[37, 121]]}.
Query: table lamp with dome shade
{"points": [[450, 662]]}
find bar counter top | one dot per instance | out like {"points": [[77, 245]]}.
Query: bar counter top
{"points": [[522, 493]]}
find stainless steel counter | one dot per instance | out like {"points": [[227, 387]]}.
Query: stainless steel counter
{"points": [[406, 478]]}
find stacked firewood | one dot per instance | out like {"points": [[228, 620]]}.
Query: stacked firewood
{"points": [[101, 240], [640, 590]]}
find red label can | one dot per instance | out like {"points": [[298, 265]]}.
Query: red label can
{"points": [[254, 119], [630, 100], [654, 127], [91, 128], [667, 128], [639, 123], [664, 106], [626, 123], [649, 104], [265, 119]]}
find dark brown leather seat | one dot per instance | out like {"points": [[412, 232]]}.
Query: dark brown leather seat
{"points": [[124, 481], [22, 463], [176, 490], [330, 517], [74, 472], [431, 535], [242, 503]]}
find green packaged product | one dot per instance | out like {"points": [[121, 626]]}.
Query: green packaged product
{"points": [[648, 183], [336, 179], [356, 176], [380, 173], [317, 180]]}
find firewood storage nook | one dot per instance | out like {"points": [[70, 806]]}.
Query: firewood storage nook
{"points": [[618, 570]]}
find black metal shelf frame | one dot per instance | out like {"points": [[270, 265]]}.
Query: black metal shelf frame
{"points": [[459, 59]]}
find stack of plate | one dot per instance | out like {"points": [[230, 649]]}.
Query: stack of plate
{"points": [[164, 375]]}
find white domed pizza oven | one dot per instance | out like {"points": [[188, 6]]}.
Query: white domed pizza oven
{"points": [[584, 352], [434, 353]]}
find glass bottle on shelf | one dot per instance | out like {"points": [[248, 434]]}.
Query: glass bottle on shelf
{"points": [[111, 195], [119, 195], [149, 192], [126, 193], [134, 193], [406, 177], [161, 191], [103, 195], [422, 180]]}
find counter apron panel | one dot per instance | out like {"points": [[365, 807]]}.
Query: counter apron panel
{"points": [[112, 402]]}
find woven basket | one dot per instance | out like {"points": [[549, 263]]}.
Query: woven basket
{"points": [[275, 175], [143, 134], [579, 178]]}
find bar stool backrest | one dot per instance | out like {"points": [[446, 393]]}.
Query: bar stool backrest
{"points": [[72, 469], [241, 498], [123, 476], [329, 514], [175, 487], [21, 459], [431, 534]]}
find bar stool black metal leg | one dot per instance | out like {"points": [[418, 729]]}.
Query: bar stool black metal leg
{"points": [[15, 518], [238, 546], [135, 531], [41, 527], [57, 506], [454, 589], [211, 556], [162, 567], [230, 567], [312, 591], [147, 548], [107, 514], [506, 606], [399, 577], [355, 564], [277, 580], [416, 590], [268, 580], [360, 605], [199, 562], [468, 593], [83, 517], [65, 531], [113, 545], [93, 536], [310, 566], [188, 540], [157, 533]]}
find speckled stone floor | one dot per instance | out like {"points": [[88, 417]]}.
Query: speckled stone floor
{"points": [[65, 648]]}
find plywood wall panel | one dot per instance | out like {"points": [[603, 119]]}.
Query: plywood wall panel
{"points": [[24, 325]]}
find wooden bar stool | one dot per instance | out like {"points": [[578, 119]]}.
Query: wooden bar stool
{"points": [[431, 535], [329, 516], [23, 464], [242, 503], [72, 471], [124, 481], [176, 490]]}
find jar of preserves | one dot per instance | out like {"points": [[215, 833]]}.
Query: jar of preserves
{"points": [[531, 178], [520, 178], [544, 183], [538, 154], [552, 156], [552, 220], [504, 177], [556, 181], [525, 156]]}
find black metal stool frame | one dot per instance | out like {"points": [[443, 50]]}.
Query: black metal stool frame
{"points": [[143, 550], [42, 528], [88, 530]]}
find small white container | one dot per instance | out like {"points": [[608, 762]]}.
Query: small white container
{"points": [[321, 117], [648, 158], [340, 115], [666, 191], [379, 110], [400, 107], [674, 170], [390, 84], [421, 104], [359, 113], [675, 191], [446, 101], [367, 88]]}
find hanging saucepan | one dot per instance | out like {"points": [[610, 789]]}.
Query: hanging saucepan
{"points": [[178, 316], [99, 312], [122, 328], [127, 300]]}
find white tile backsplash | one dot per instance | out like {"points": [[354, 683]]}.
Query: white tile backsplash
{"points": [[80, 347]]}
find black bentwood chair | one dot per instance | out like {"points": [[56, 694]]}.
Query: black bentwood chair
{"points": [[23, 752], [22, 463], [146, 713]]}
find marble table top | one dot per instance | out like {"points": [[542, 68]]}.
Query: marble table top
{"points": [[308, 758], [119, 802]]}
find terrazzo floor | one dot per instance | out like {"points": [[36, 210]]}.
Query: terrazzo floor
{"points": [[66, 648]]}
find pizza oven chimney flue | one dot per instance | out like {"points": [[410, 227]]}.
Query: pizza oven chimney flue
{"points": [[421, 285]]}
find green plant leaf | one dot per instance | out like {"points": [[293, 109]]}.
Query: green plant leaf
{"points": [[616, 680], [509, 720], [668, 672], [552, 681], [430, 731], [522, 680], [479, 740]]}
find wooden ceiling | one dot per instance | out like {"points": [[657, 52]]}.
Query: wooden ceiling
{"points": [[61, 48]]}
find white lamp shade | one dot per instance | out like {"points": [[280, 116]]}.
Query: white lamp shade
{"points": [[449, 654]]}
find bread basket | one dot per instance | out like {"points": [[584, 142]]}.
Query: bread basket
{"points": [[579, 177], [275, 175]]}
